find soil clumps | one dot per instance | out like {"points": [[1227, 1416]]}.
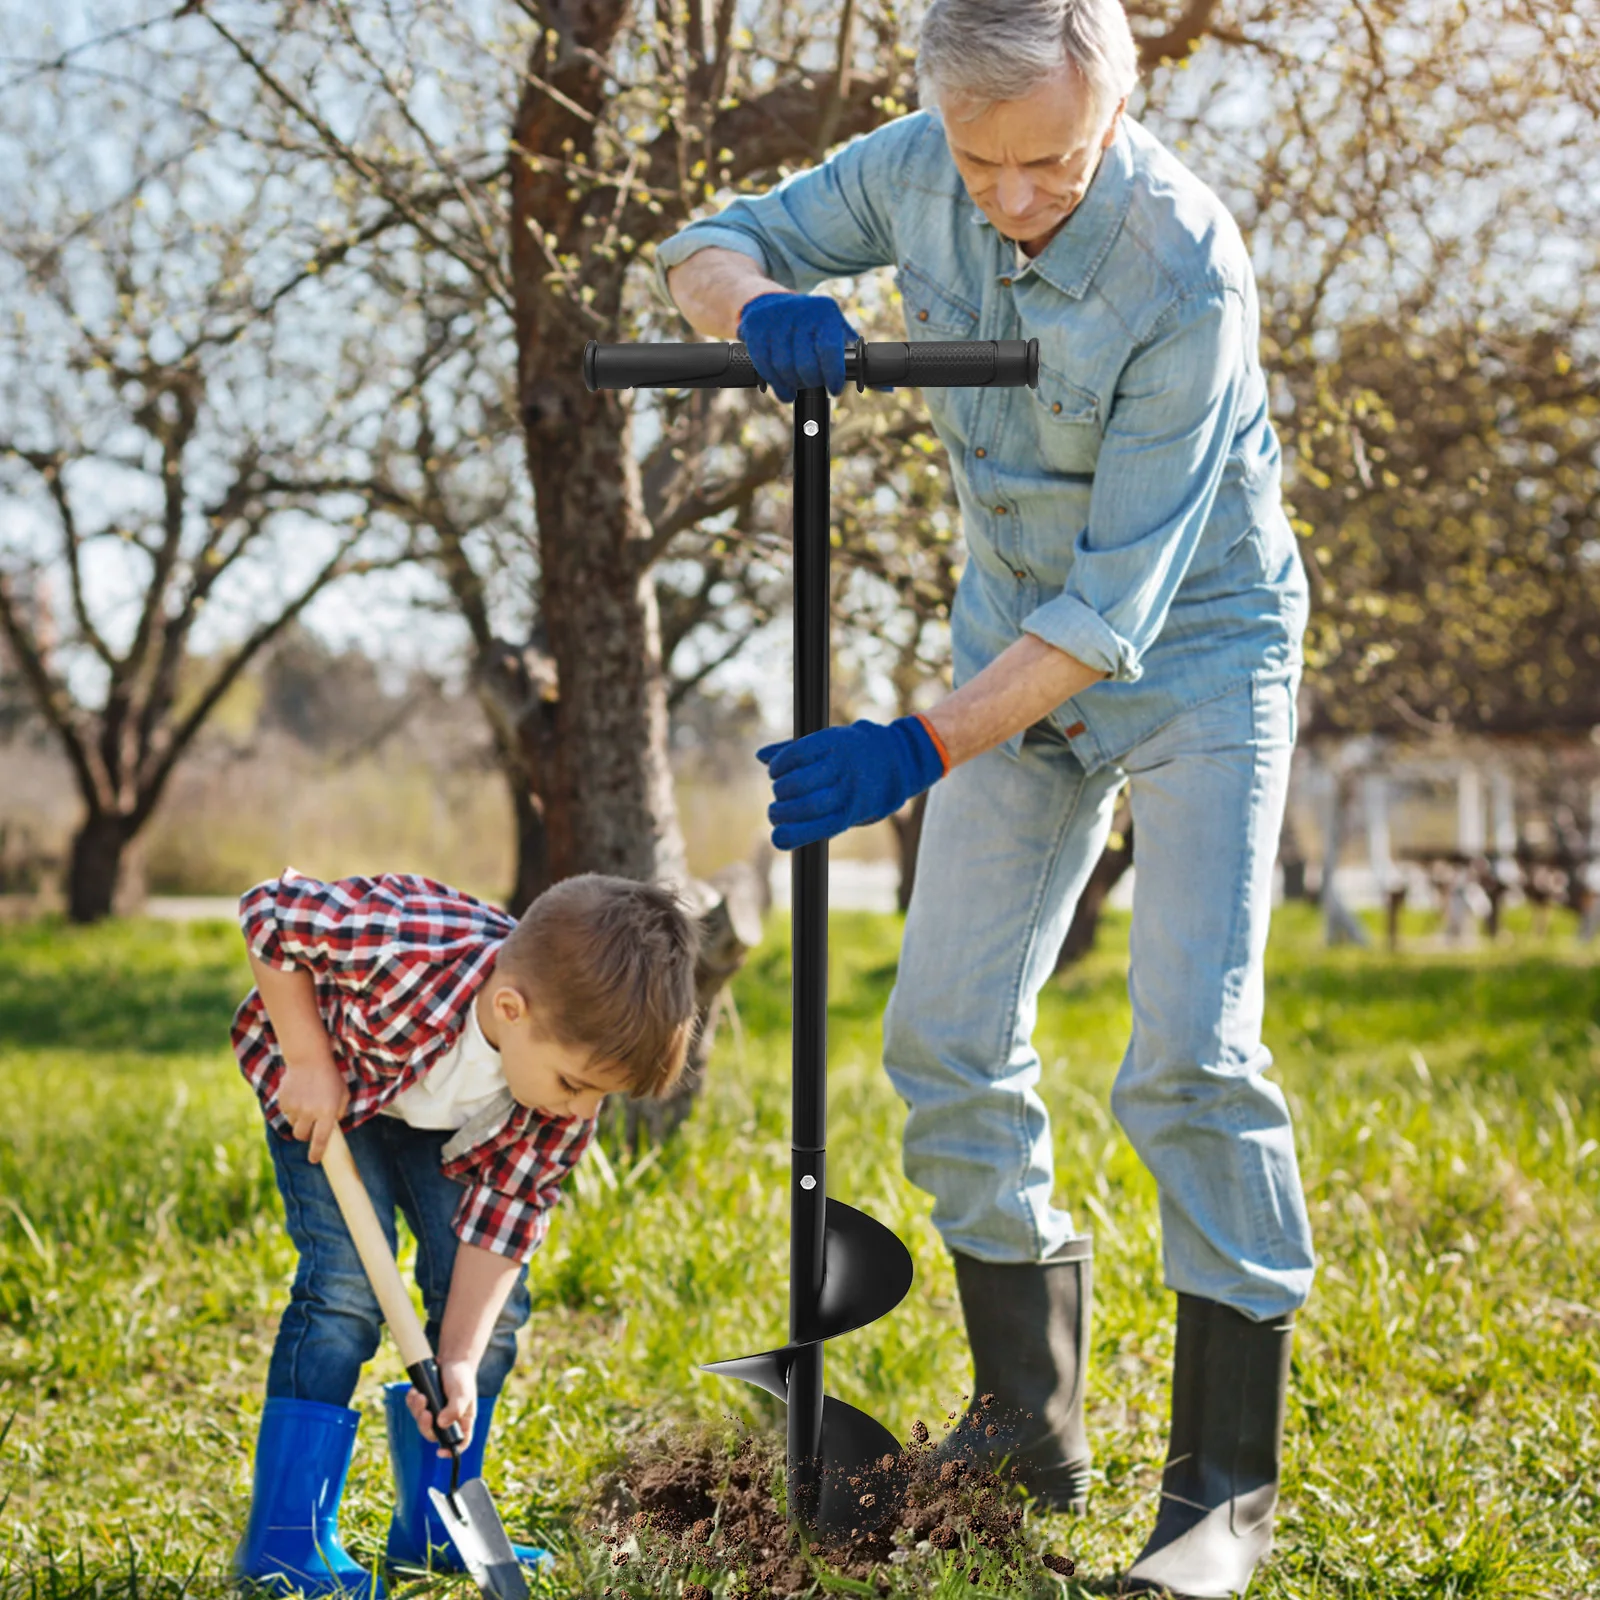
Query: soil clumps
{"points": [[702, 1505]]}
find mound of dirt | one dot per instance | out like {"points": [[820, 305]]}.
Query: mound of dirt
{"points": [[686, 1500]]}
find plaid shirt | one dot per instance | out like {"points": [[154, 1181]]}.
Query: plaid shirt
{"points": [[396, 961]]}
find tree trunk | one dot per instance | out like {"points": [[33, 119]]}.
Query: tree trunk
{"points": [[96, 862], [533, 846], [609, 804]]}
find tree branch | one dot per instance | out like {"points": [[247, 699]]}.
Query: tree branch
{"points": [[52, 699], [50, 466], [1193, 24], [153, 780]]}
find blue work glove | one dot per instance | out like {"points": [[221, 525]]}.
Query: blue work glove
{"points": [[796, 342], [843, 777]]}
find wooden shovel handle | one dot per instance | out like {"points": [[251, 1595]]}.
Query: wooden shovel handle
{"points": [[373, 1248]]}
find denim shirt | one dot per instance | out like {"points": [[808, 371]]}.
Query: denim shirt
{"points": [[1128, 510]]}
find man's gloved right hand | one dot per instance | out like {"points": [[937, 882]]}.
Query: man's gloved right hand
{"points": [[796, 342]]}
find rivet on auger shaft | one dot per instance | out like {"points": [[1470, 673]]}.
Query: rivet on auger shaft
{"points": [[845, 1270]]}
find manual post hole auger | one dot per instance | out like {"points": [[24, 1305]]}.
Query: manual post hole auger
{"points": [[845, 1269]]}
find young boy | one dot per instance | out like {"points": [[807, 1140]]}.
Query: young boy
{"points": [[465, 1055]]}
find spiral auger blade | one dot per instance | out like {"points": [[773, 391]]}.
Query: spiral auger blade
{"points": [[866, 1273]]}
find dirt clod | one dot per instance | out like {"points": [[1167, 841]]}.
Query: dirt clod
{"points": [[696, 1591], [699, 1500], [1064, 1565]]}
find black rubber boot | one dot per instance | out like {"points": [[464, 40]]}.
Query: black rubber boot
{"points": [[1028, 1326], [1230, 1379]]}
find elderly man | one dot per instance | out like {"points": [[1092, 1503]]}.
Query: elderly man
{"points": [[1131, 614]]}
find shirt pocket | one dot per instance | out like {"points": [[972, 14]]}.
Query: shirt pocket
{"points": [[932, 312], [1067, 421]]}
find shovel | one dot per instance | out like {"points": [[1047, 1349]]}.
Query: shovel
{"points": [[845, 1268], [467, 1511]]}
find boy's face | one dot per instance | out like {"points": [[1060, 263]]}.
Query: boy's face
{"points": [[541, 1072]]}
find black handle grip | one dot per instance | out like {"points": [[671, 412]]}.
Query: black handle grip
{"points": [[956, 364], [959, 364], [668, 366], [425, 1375]]}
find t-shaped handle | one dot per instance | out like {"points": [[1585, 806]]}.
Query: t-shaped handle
{"points": [[895, 364]]}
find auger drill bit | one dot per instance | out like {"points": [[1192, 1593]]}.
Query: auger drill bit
{"points": [[845, 1269]]}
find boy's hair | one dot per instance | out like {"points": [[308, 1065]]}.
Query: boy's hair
{"points": [[607, 965]]}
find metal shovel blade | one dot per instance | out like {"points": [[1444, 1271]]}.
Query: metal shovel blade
{"points": [[480, 1540]]}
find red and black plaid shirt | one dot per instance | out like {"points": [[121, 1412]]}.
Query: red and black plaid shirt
{"points": [[397, 961]]}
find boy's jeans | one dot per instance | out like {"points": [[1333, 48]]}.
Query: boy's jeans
{"points": [[333, 1323], [1007, 846]]}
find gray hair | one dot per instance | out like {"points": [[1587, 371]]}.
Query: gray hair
{"points": [[1004, 49]]}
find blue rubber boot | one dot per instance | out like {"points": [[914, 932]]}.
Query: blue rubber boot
{"points": [[417, 1538], [291, 1543]]}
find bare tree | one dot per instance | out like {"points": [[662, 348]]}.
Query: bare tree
{"points": [[156, 462]]}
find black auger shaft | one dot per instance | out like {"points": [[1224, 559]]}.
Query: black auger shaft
{"points": [[808, 869], [845, 1269]]}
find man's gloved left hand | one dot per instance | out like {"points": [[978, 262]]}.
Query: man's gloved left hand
{"points": [[796, 341], [843, 777]]}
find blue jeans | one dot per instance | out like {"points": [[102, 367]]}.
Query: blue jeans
{"points": [[332, 1323], [1007, 846]]}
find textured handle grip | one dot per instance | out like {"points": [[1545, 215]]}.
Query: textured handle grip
{"points": [[668, 366], [425, 1376], [956, 364]]}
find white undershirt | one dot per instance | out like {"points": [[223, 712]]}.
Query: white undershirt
{"points": [[460, 1083]]}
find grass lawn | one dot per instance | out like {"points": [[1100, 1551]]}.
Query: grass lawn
{"points": [[1444, 1424]]}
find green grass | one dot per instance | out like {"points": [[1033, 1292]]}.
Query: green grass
{"points": [[1444, 1428]]}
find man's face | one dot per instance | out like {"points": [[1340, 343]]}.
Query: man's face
{"points": [[1027, 163], [541, 1072]]}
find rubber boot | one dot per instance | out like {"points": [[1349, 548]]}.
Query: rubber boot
{"points": [[291, 1543], [417, 1538], [1028, 1326], [1230, 1381]]}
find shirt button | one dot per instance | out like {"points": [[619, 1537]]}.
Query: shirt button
{"points": [[999, 511], [980, 452], [1056, 408], [922, 316], [1005, 283], [1018, 574]]}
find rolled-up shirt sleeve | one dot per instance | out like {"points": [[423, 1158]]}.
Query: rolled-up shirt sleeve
{"points": [[830, 221], [1161, 462], [340, 931]]}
